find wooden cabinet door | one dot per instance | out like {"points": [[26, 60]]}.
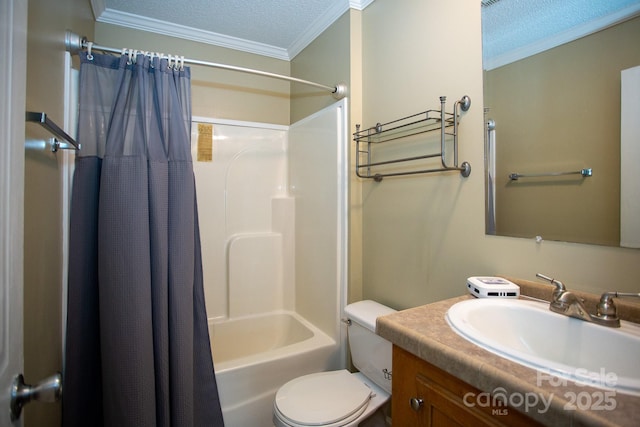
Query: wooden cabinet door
{"points": [[424, 395], [404, 368], [441, 407]]}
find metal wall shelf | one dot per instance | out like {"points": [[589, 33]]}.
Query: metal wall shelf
{"points": [[416, 124]]}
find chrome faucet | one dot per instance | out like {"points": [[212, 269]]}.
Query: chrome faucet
{"points": [[568, 304], [565, 302]]}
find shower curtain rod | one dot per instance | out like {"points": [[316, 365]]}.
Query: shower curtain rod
{"points": [[75, 43]]}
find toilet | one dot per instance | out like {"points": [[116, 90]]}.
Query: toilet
{"points": [[341, 398]]}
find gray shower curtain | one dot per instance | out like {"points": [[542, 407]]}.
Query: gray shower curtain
{"points": [[137, 346]]}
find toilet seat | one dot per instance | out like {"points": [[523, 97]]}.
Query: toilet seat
{"points": [[329, 399]]}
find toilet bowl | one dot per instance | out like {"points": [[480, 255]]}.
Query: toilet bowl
{"points": [[341, 398]]}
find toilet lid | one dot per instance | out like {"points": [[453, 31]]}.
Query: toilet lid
{"points": [[322, 398]]}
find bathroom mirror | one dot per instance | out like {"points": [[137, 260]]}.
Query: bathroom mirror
{"points": [[552, 97]]}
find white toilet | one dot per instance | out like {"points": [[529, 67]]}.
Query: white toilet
{"points": [[340, 398]]}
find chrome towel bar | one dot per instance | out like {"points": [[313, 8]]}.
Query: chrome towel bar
{"points": [[586, 172], [58, 133]]}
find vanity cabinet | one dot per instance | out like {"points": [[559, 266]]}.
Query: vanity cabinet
{"points": [[425, 395]]}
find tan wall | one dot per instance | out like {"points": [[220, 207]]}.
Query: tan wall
{"points": [[43, 203], [325, 61], [216, 93], [560, 111], [424, 235]]}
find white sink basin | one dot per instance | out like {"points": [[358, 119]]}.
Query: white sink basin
{"points": [[528, 333]]}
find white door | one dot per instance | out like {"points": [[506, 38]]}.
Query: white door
{"points": [[13, 44]]}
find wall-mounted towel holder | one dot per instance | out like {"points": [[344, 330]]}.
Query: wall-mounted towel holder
{"points": [[586, 172], [416, 124], [61, 139]]}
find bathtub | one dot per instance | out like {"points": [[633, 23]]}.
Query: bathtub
{"points": [[255, 355]]}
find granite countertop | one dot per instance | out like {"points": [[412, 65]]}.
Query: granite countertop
{"points": [[424, 332]]}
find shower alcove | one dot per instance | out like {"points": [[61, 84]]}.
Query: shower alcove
{"points": [[272, 204]]}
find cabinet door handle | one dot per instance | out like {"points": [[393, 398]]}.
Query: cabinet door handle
{"points": [[416, 403]]}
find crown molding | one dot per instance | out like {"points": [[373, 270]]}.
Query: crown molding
{"points": [[318, 26], [323, 22], [359, 4], [570, 35], [129, 20], [98, 8]]}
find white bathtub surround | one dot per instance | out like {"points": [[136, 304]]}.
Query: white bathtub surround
{"points": [[256, 282], [273, 226], [235, 192]]}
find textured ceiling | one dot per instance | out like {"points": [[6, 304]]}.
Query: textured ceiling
{"points": [[277, 28], [512, 29], [273, 22]]}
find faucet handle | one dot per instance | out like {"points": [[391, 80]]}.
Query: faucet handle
{"points": [[606, 307], [606, 310]]}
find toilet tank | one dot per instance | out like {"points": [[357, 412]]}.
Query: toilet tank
{"points": [[370, 353]]}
